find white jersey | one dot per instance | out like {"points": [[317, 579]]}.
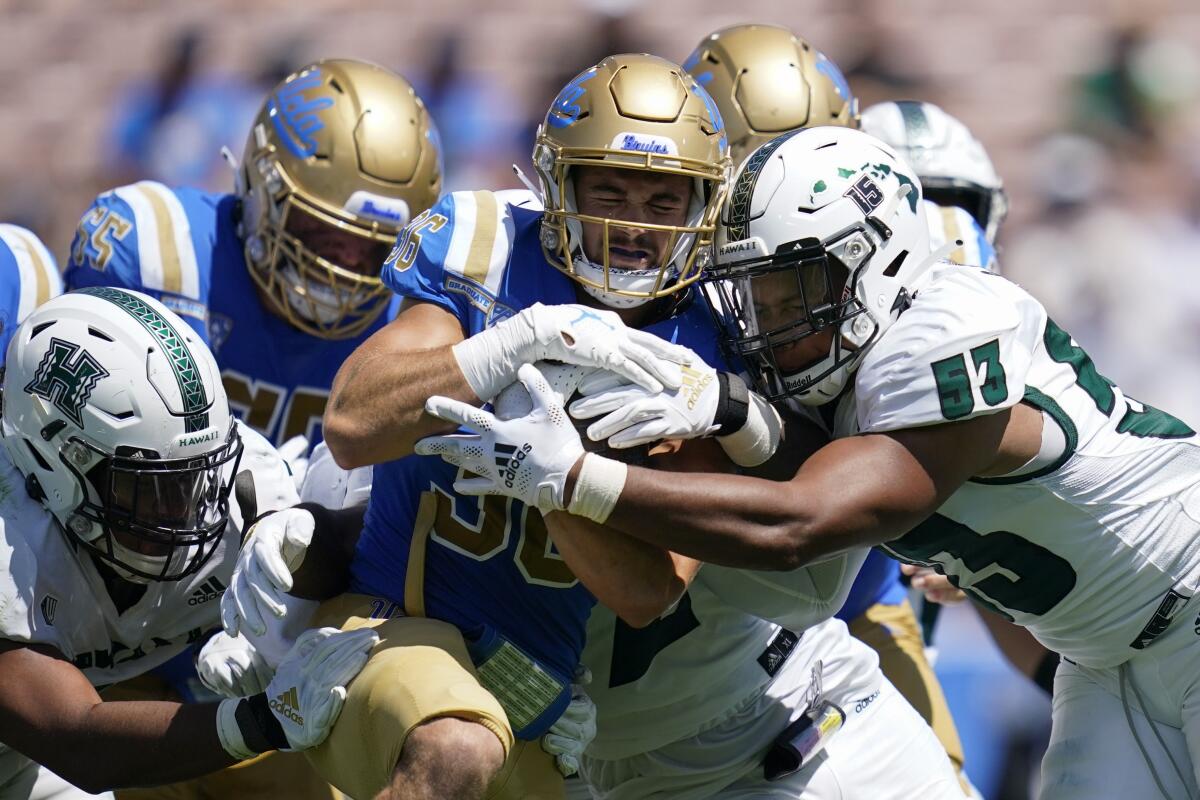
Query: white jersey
{"points": [[51, 592], [950, 223], [719, 648], [1091, 545]]}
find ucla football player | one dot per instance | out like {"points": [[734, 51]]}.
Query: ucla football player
{"points": [[971, 433], [766, 81], [117, 536], [632, 164], [280, 278], [967, 195], [28, 277]]}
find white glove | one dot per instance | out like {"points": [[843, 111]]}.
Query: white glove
{"points": [[571, 734], [526, 457], [636, 416], [573, 334], [295, 453], [263, 574], [304, 698], [231, 667], [308, 689]]}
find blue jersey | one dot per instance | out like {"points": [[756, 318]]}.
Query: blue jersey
{"points": [[489, 565], [877, 583], [28, 277], [182, 246]]}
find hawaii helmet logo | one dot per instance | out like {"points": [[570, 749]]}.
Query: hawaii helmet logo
{"points": [[66, 379]]}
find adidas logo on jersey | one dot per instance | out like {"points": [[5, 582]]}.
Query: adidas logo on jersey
{"points": [[288, 705], [509, 459], [211, 589]]}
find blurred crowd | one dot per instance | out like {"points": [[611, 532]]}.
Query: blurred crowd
{"points": [[1090, 111]]}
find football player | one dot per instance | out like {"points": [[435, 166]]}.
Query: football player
{"points": [[632, 163], [972, 433], [281, 277], [766, 81], [967, 195], [117, 535], [28, 277]]}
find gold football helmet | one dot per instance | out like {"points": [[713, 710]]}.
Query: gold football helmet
{"points": [[631, 112], [342, 155], [766, 80]]}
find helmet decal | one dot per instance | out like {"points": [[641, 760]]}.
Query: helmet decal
{"points": [[187, 374], [65, 380], [565, 110], [743, 191], [295, 117], [831, 71]]}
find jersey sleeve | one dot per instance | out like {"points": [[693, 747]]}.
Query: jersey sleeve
{"points": [[29, 276], [138, 237], [454, 255], [963, 349], [797, 599]]}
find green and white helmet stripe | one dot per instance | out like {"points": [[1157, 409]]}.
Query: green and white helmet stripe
{"points": [[187, 373], [742, 194]]}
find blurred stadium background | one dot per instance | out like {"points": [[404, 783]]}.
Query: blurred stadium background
{"points": [[1090, 111]]}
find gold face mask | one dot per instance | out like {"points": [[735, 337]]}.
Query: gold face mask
{"points": [[342, 155], [766, 81], [639, 113]]}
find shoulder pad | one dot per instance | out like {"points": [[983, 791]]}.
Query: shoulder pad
{"points": [[449, 253], [947, 224], [137, 237], [962, 349]]}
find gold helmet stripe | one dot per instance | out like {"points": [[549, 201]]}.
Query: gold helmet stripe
{"points": [[951, 229], [166, 258], [39, 275]]}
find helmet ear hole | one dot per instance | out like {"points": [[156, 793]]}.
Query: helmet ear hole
{"points": [[894, 267], [41, 462]]}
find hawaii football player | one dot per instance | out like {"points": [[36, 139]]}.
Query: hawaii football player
{"points": [[972, 433], [117, 536], [28, 277], [280, 278], [767, 81]]}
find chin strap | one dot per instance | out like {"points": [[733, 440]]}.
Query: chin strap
{"points": [[529, 184]]}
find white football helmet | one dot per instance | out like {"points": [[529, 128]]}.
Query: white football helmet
{"points": [[824, 232], [115, 414], [952, 164]]}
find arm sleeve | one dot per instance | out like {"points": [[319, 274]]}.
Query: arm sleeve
{"points": [[416, 268]]}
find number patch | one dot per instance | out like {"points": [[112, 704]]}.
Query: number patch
{"points": [[956, 383], [1016, 573]]}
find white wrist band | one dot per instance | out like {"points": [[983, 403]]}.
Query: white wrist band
{"points": [[596, 490], [758, 439], [230, 733]]}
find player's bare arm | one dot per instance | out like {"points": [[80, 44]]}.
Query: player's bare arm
{"points": [[51, 713], [376, 406], [853, 492]]}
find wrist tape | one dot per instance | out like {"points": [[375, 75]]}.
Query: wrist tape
{"points": [[597, 488]]}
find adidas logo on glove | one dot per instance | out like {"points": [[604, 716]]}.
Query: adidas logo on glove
{"points": [[509, 461], [288, 705]]}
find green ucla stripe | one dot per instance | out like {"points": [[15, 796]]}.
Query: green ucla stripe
{"points": [[187, 373], [743, 190]]}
